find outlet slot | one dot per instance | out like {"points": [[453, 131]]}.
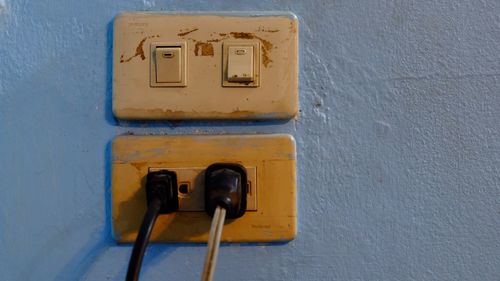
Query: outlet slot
{"points": [[184, 188]]}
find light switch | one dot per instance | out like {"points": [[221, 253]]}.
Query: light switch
{"points": [[240, 64], [168, 64]]}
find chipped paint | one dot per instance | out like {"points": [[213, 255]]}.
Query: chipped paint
{"points": [[161, 113], [274, 46], [181, 34], [261, 29], [139, 50], [265, 48], [293, 27], [203, 49]]}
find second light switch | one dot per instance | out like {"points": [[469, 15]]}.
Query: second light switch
{"points": [[241, 64]]}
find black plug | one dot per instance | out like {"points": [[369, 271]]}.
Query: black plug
{"points": [[162, 185], [161, 196], [226, 186], [225, 196]]}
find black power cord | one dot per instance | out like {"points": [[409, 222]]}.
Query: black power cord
{"points": [[225, 196], [134, 266], [161, 193]]}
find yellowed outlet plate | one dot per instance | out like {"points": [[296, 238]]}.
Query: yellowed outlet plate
{"points": [[274, 95], [273, 157]]}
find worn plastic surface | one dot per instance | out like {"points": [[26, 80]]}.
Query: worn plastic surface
{"points": [[273, 156], [273, 93]]}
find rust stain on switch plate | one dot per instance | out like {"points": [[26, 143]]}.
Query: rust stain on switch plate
{"points": [[206, 48], [274, 38], [186, 32], [266, 45], [262, 29], [139, 50], [159, 112]]}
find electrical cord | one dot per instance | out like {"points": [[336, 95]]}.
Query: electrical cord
{"points": [[213, 243], [225, 196], [161, 195], [225, 190], [134, 266]]}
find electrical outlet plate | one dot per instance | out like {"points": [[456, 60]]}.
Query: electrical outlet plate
{"points": [[204, 94], [270, 161]]}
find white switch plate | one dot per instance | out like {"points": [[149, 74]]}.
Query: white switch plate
{"points": [[204, 97]]}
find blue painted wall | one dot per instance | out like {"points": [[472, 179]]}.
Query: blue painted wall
{"points": [[399, 144]]}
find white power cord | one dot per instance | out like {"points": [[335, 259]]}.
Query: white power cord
{"points": [[213, 244]]}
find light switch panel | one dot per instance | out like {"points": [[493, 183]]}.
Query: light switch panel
{"points": [[213, 85]]}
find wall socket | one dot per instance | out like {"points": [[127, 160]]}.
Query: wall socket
{"points": [[270, 161], [191, 187]]}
